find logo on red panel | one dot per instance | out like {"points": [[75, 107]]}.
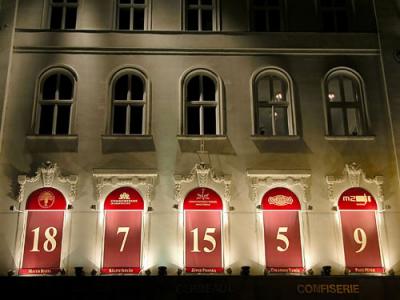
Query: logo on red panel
{"points": [[280, 200], [360, 200], [357, 198], [46, 199], [123, 199]]}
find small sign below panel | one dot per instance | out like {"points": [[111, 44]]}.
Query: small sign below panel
{"points": [[123, 210], [203, 232], [44, 232], [360, 234], [282, 238]]}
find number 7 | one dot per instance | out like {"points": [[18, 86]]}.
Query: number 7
{"points": [[125, 230]]}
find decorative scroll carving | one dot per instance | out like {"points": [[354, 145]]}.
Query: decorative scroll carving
{"points": [[354, 176], [48, 174], [204, 176]]}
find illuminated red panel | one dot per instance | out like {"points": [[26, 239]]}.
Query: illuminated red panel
{"points": [[203, 234], [360, 233], [123, 232], [44, 231], [283, 251]]}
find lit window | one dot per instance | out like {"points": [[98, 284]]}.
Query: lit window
{"points": [[128, 104], [273, 103], [345, 104], [267, 15], [200, 15], [202, 107], [335, 15], [131, 15], [63, 14], [56, 98]]}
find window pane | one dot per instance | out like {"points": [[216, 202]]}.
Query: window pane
{"points": [[260, 21], [206, 2], [353, 120], [46, 119], [279, 90], [349, 92], [209, 120], [206, 20], [263, 89], [119, 119], [137, 88], [193, 89], [125, 1], [139, 1], [192, 19], [208, 89], [326, 3], [259, 2], [49, 88], [341, 21], [274, 20], [121, 88], [56, 17], [70, 18], [273, 2], [340, 3], [334, 90], [328, 21], [124, 18], [136, 120], [138, 19], [57, 1], [72, 1], [337, 121], [65, 88], [264, 121], [192, 2], [281, 121], [63, 117], [193, 120]]}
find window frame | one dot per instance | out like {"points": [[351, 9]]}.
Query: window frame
{"points": [[218, 103], [350, 10], [290, 103], [64, 6], [147, 15], [283, 15], [360, 105], [216, 16], [145, 103], [39, 100]]}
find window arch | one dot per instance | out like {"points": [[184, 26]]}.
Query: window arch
{"points": [[62, 14], [129, 103], [274, 113], [345, 103], [55, 102], [202, 113]]}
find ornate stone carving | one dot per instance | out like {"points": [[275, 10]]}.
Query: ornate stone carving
{"points": [[48, 174]]}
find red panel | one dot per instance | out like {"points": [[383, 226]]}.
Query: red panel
{"points": [[204, 199], [43, 242], [361, 243], [280, 199], [357, 199], [124, 198], [46, 199], [282, 242], [203, 242], [122, 242]]}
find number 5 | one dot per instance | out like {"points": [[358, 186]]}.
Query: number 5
{"points": [[281, 237]]}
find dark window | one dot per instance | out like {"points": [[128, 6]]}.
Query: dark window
{"points": [[200, 15], [131, 14], [267, 15], [63, 14], [335, 15]]}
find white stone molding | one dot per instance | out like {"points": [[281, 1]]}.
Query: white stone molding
{"points": [[202, 175], [354, 176], [48, 175], [108, 180], [261, 181]]}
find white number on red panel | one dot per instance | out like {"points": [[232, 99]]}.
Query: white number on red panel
{"points": [[281, 237], [125, 231], [207, 237], [50, 243], [360, 238]]}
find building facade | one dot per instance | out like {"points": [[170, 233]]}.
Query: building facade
{"points": [[236, 98]]}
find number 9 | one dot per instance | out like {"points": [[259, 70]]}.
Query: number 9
{"points": [[360, 238]]}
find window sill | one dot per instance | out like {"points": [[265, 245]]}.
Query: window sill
{"points": [[127, 143], [215, 144], [280, 144], [350, 138], [52, 143], [275, 138]]}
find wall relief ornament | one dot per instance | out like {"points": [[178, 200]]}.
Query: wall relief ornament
{"points": [[48, 175], [353, 176]]}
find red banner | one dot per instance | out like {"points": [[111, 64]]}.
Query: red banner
{"points": [[203, 238], [44, 231], [123, 232]]}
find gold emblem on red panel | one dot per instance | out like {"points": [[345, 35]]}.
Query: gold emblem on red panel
{"points": [[46, 199], [280, 200], [124, 196]]}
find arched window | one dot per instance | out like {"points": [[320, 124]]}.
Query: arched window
{"points": [[62, 14], [202, 104], [129, 103], [346, 113], [273, 104], [55, 103]]}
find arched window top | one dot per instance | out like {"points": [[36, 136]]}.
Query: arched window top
{"points": [[203, 199]]}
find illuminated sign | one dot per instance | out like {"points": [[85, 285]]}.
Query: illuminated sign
{"points": [[123, 232], [282, 239], [360, 234], [203, 236], [44, 232]]}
